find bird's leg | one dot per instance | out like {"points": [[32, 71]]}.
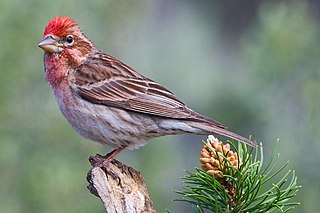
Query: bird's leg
{"points": [[101, 161], [111, 155]]}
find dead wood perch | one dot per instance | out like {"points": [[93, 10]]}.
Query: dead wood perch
{"points": [[120, 188]]}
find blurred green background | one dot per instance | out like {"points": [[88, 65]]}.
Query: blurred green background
{"points": [[253, 65]]}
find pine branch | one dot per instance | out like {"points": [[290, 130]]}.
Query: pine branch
{"points": [[235, 181]]}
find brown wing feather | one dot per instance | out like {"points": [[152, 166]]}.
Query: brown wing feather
{"points": [[112, 83]]}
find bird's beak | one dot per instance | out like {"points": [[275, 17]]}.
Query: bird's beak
{"points": [[50, 45]]}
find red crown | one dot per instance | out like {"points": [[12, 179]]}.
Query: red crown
{"points": [[60, 26]]}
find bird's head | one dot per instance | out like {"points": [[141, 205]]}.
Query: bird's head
{"points": [[63, 36]]}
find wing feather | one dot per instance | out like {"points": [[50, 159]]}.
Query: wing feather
{"points": [[129, 91]]}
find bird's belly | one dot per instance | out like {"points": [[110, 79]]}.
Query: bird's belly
{"points": [[106, 125]]}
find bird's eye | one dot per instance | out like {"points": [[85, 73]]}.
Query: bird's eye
{"points": [[69, 39]]}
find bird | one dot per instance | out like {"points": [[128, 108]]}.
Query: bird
{"points": [[107, 101]]}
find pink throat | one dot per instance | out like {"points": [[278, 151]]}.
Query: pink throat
{"points": [[56, 69]]}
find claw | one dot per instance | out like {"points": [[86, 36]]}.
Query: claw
{"points": [[112, 174], [101, 161]]}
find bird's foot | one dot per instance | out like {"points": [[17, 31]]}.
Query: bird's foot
{"points": [[102, 161], [98, 160]]}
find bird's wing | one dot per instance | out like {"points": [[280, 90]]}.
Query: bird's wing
{"points": [[114, 84]]}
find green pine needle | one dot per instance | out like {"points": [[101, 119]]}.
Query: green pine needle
{"points": [[254, 188]]}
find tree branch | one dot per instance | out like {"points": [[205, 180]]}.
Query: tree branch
{"points": [[120, 188]]}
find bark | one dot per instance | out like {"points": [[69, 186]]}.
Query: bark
{"points": [[120, 188]]}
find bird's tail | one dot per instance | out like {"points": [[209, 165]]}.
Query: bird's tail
{"points": [[207, 128]]}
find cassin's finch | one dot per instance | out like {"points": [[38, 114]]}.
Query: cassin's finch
{"points": [[109, 102]]}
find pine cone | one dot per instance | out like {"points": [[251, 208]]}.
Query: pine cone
{"points": [[213, 152]]}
